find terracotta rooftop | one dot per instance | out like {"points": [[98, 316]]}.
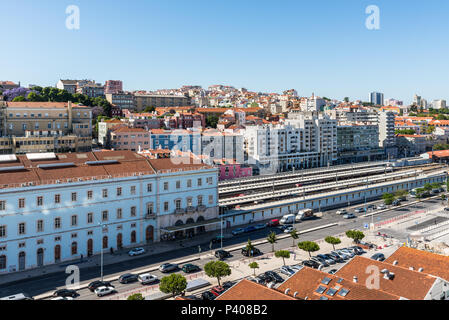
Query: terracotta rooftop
{"points": [[406, 283], [249, 290], [431, 263], [307, 281]]}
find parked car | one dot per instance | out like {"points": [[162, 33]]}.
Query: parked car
{"points": [[327, 259], [311, 264], [367, 244], [222, 254], [446, 209], [136, 252], [335, 256], [320, 261], [260, 226], [333, 271], [189, 267], [341, 211], [128, 277], [296, 267], [273, 276], [381, 206], [273, 223], [358, 250], [378, 257], [251, 253], [396, 202], [62, 298], [349, 252], [167, 267], [103, 291], [359, 210], [96, 284], [250, 229], [208, 296], [289, 229], [342, 255], [65, 293], [287, 271], [349, 216], [262, 279], [228, 284], [237, 231], [147, 278], [217, 290], [371, 206]]}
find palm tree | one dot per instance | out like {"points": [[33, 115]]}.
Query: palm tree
{"points": [[272, 239]]}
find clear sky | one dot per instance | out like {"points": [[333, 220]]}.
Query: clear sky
{"points": [[319, 46]]}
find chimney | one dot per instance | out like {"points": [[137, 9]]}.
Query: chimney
{"points": [[395, 262], [287, 291], [295, 294], [411, 268], [355, 279], [420, 270]]}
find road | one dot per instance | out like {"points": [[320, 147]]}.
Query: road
{"points": [[51, 282]]}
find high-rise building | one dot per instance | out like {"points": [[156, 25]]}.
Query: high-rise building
{"points": [[113, 86], [377, 98], [386, 129], [439, 104]]}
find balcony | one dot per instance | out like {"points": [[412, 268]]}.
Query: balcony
{"points": [[201, 208], [190, 209], [180, 211], [150, 216]]}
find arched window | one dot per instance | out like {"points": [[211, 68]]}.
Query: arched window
{"points": [[2, 262], [133, 236], [74, 248], [105, 242]]}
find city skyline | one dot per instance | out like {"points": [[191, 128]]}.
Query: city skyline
{"points": [[323, 47]]}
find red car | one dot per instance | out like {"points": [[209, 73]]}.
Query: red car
{"points": [[273, 223], [217, 290]]}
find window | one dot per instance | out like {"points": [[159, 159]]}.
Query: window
{"points": [[2, 262], [104, 215], [22, 228], [149, 187], [74, 235], [133, 189], [211, 199], [74, 248], [90, 217], [57, 198], [3, 231], [57, 223], [119, 213], [150, 208], [105, 193], [21, 203], [90, 194], [166, 206], [178, 184], [189, 183], [74, 220], [200, 200], [40, 201], [2, 205], [165, 186], [189, 201], [133, 211], [200, 182], [73, 196], [119, 191], [209, 180], [40, 225], [178, 204]]}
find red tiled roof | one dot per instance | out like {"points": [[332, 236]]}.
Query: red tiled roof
{"points": [[249, 290], [432, 263]]}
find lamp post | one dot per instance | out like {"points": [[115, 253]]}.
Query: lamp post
{"points": [[102, 226]]}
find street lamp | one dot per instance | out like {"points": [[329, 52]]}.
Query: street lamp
{"points": [[103, 227]]}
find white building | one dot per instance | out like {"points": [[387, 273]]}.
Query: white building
{"points": [[57, 207], [439, 104], [312, 104]]}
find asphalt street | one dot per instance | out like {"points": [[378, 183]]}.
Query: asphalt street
{"points": [[49, 283]]}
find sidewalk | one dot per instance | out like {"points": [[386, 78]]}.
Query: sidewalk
{"points": [[108, 258]]}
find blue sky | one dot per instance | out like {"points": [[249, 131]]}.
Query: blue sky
{"points": [[317, 46]]}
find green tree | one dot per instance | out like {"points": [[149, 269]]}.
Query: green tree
{"points": [[430, 129], [174, 284], [217, 269], [400, 194], [294, 234], [355, 235], [19, 99], [428, 187], [149, 109], [332, 240], [284, 254], [388, 198], [404, 131], [136, 296], [212, 121], [249, 247], [254, 105], [272, 238], [254, 265], [346, 99], [308, 246]]}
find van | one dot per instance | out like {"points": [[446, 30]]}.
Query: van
{"points": [[287, 219], [147, 278], [18, 296], [304, 215]]}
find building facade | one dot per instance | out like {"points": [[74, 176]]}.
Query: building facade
{"points": [[59, 207], [150, 100]]}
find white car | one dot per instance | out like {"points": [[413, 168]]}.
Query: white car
{"points": [[147, 278], [136, 252], [62, 298], [381, 207], [102, 291], [342, 211], [288, 229]]}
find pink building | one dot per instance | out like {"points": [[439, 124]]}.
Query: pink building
{"points": [[133, 139], [230, 169], [113, 86]]}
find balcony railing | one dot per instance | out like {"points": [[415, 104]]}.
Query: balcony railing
{"points": [[190, 209], [149, 216], [201, 208], [180, 211]]}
